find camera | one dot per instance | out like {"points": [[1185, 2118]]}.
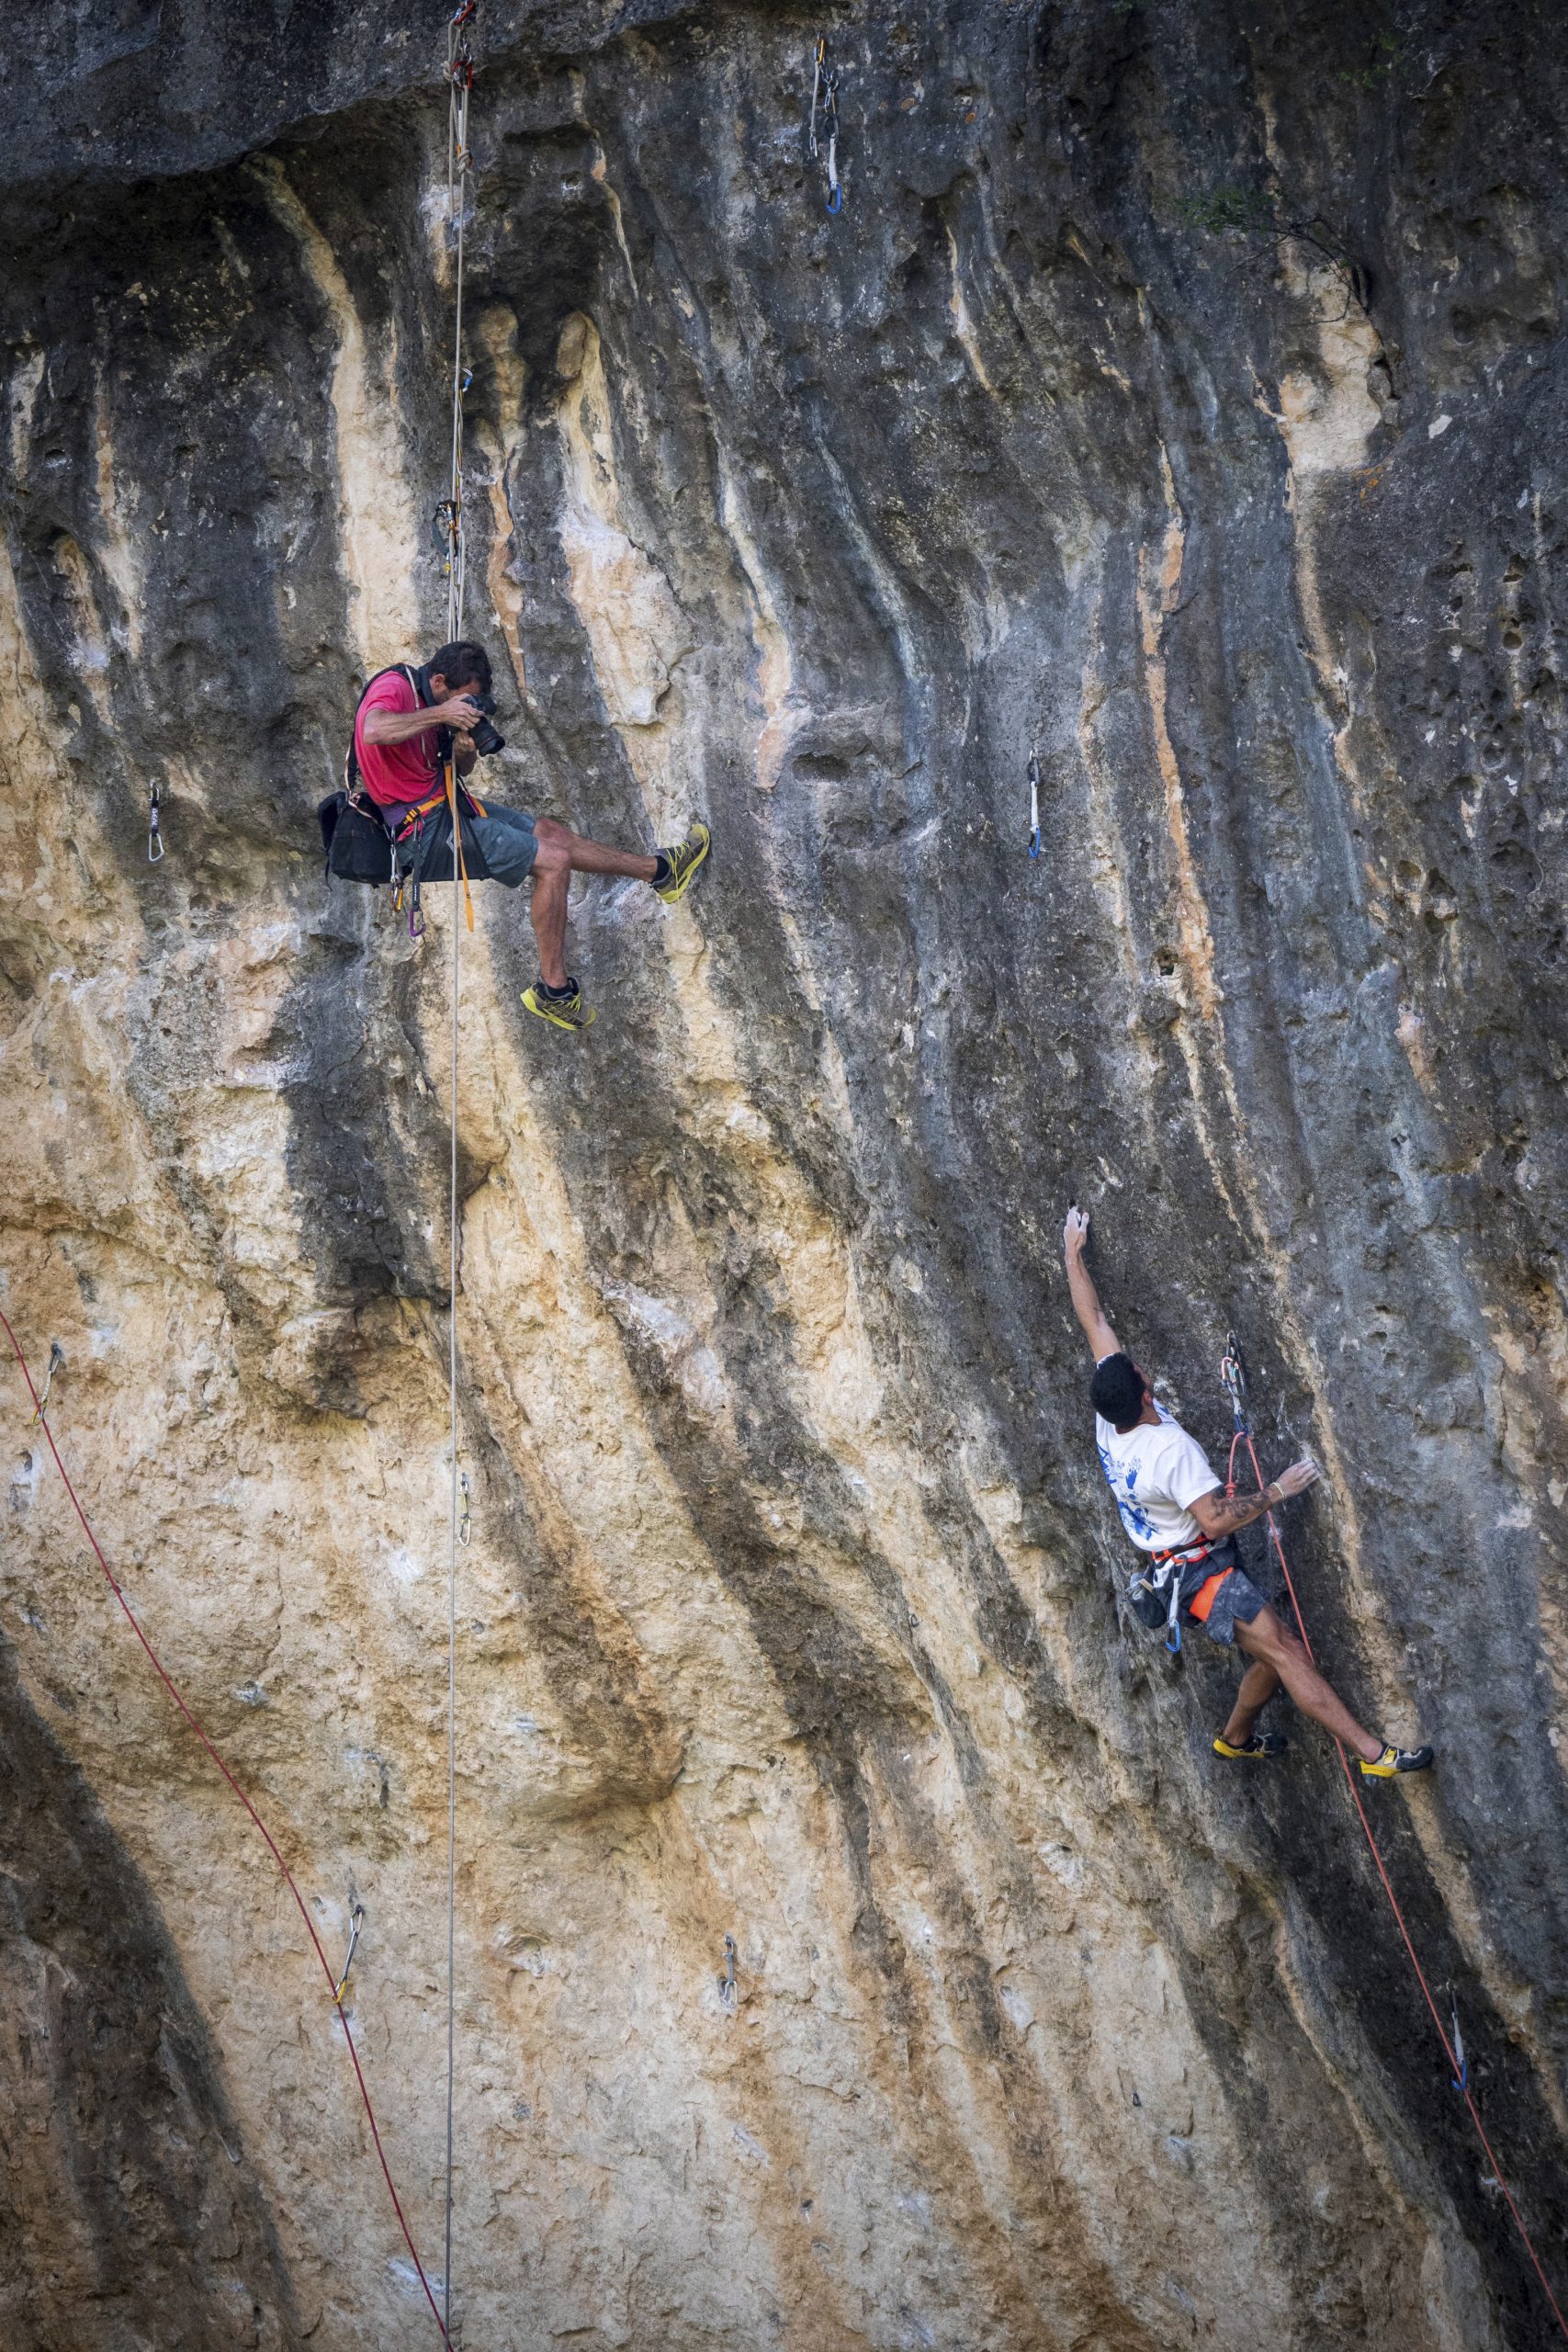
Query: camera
{"points": [[486, 739]]}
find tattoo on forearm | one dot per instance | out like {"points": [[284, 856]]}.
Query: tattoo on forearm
{"points": [[1234, 1512]]}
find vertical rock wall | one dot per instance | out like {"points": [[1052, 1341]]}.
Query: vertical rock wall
{"points": [[1178, 392]]}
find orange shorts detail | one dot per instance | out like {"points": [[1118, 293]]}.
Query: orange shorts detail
{"points": [[1202, 1600]]}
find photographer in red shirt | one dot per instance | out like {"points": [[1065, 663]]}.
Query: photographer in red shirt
{"points": [[406, 720]]}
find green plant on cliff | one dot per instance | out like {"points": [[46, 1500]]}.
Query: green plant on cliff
{"points": [[1249, 212], [1373, 77], [1225, 207]]}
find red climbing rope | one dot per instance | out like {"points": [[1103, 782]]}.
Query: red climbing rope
{"points": [[288, 1878], [1455, 2067]]}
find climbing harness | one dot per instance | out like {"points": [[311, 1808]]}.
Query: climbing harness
{"points": [[355, 1921], [154, 835], [825, 91], [1035, 804], [1232, 1378], [1155, 1599], [56, 1362], [215, 1757]]}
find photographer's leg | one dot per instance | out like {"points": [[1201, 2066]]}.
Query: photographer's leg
{"points": [[584, 856], [552, 882]]}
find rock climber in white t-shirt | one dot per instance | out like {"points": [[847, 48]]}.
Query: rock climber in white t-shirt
{"points": [[1172, 1508]]}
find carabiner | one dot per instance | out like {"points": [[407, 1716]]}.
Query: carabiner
{"points": [[1233, 1379], [155, 837]]}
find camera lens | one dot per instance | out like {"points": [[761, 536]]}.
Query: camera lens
{"points": [[486, 739]]}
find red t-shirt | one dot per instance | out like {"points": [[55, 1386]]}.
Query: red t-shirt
{"points": [[396, 775]]}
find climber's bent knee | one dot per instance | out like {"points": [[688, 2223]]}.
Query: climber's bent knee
{"points": [[1266, 1637], [508, 842], [553, 853]]}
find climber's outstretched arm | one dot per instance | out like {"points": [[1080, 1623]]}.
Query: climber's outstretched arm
{"points": [[1086, 1298]]}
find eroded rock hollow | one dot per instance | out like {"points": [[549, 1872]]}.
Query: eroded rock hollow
{"points": [[1179, 394]]}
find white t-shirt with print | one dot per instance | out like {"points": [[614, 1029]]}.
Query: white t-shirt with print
{"points": [[1155, 1475]]}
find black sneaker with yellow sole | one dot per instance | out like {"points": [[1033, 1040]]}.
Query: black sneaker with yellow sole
{"points": [[564, 1006]]}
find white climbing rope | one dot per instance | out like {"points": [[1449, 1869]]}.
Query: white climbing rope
{"points": [[459, 82]]}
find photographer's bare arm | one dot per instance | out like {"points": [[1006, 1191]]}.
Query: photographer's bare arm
{"points": [[1174, 1509], [457, 711]]}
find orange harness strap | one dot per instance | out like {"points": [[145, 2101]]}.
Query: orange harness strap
{"points": [[458, 841], [421, 808]]}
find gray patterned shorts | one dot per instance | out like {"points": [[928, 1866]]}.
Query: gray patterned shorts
{"points": [[1237, 1601]]}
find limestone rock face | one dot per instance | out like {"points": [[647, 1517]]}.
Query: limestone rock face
{"points": [[1178, 392]]}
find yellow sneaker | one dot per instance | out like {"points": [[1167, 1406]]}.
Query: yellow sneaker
{"points": [[684, 860], [565, 1012]]}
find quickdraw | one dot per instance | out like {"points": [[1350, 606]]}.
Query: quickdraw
{"points": [[56, 1363], [1035, 804], [825, 92], [355, 1921], [154, 835]]}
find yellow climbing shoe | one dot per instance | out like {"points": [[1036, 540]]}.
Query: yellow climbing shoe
{"points": [[1259, 1749], [682, 862], [567, 1010], [1394, 1760]]}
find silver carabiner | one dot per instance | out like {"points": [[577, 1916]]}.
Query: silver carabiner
{"points": [[155, 837]]}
